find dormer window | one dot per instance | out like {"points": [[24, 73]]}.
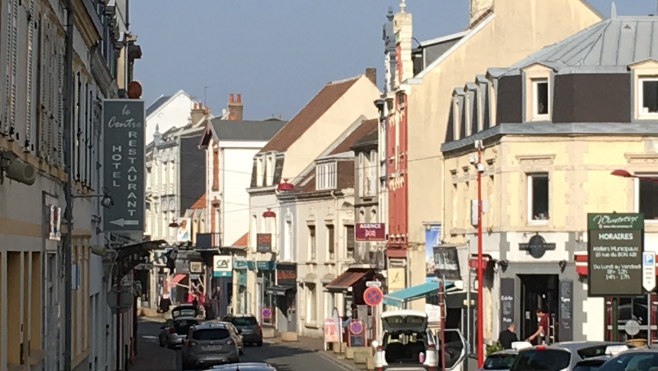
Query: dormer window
{"points": [[648, 96], [259, 172], [269, 171], [540, 98], [325, 176]]}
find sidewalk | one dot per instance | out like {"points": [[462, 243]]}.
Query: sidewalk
{"points": [[317, 345]]}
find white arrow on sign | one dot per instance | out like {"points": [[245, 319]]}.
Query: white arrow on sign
{"points": [[121, 222], [648, 270]]}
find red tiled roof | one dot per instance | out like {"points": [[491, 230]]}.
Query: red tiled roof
{"points": [[242, 241], [200, 203], [309, 115], [365, 128]]}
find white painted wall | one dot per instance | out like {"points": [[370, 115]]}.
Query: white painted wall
{"points": [[321, 270], [175, 113], [235, 177]]}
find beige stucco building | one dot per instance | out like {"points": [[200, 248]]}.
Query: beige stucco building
{"points": [[553, 127], [500, 32]]}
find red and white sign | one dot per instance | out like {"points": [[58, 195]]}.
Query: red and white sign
{"points": [[373, 296], [330, 334], [364, 232]]}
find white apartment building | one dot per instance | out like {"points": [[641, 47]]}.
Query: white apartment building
{"points": [[168, 112], [32, 173]]}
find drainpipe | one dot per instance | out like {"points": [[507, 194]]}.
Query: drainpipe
{"points": [[333, 194]]}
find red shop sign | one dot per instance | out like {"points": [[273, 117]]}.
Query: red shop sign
{"points": [[370, 232]]}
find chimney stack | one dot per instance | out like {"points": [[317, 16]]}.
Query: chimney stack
{"points": [[371, 74], [235, 107], [199, 114]]}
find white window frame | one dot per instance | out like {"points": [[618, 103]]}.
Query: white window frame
{"points": [[326, 176], [331, 255], [259, 172], [535, 96], [269, 170], [640, 98], [372, 174], [636, 195], [361, 165], [530, 180], [312, 242]]}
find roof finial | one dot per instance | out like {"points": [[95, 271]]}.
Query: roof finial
{"points": [[157, 128], [403, 5], [613, 10]]}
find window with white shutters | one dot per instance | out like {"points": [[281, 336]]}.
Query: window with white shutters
{"points": [[13, 66], [31, 52]]}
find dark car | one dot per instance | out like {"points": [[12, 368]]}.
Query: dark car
{"points": [[638, 359], [251, 333], [591, 364]]}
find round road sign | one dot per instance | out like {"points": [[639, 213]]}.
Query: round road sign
{"points": [[266, 312], [373, 296], [356, 327]]}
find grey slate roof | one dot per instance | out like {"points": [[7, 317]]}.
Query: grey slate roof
{"points": [[159, 102], [367, 140], [246, 130], [608, 46]]}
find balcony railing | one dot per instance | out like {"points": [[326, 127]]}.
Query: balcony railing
{"points": [[208, 240]]}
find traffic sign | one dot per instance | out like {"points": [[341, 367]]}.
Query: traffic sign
{"points": [[373, 296], [649, 270], [373, 284]]}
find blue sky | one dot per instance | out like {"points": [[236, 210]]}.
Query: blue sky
{"points": [[279, 53]]}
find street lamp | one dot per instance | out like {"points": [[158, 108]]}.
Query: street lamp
{"points": [[479, 167], [625, 174]]}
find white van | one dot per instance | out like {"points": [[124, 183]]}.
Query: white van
{"points": [[407, 343]]}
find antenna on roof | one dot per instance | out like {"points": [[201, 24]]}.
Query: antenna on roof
{"points": [[613, 10]]}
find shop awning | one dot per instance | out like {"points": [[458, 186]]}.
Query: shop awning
{"points": [[414, 292], [279, 290], [176, 279], [346, 279]]}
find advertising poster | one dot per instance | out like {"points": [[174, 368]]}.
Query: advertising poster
{"points": [[183, 233], [432, 238]]}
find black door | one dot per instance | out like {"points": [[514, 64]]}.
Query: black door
{"points": [[538, 291]]}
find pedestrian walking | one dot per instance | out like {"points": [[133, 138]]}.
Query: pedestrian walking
{"points": [[508, 336], [165, 303], [542, 327]]}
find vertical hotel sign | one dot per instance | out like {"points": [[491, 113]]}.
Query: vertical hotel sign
{"points": [[123, 166], [614, 261]]}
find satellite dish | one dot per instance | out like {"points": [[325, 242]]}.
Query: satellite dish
{"points": [[632, 327]]}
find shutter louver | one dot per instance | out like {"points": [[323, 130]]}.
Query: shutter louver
{"points": [[13, 49], [7, 81], [29, 117], [60, 104], [44, 56]]}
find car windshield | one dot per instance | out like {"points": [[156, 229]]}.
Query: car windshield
{"points": [[244, 321], [499, 362], [589, 365], [632, 362], [211, 334], [541, 360]]}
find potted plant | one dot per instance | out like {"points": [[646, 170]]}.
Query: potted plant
{"points": [[492, 348]]}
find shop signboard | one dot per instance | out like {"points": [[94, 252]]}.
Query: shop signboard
{"points": [[615, 247], [356, 331], [286, 274], [330, 335], [566, 311], [222, 265], [264, 242], [506, 302], [364, 232], [446, 262]]}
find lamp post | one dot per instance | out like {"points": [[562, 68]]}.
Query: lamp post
{"points": [[479, 167]]}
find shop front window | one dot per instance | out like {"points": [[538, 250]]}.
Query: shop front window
{"points": [[267, 299]]}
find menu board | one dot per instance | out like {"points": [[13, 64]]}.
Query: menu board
{"points": [[566, 311], [506, 302], [615, 246]]}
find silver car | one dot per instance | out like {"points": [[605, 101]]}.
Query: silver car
{"points": [[209, 344], [499, 361], [563, 356], [174, 332]]}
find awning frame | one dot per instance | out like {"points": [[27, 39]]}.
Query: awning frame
{"points": [[346, 279], [414, 292], [279, 290]]}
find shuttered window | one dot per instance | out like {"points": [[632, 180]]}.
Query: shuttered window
{"points": [[60, 103], [13, 66], [32, 47]]}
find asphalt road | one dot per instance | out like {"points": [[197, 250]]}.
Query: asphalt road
{"points": [[285, 357]]}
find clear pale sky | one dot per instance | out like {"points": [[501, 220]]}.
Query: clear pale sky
{"points": [[279, 53]]}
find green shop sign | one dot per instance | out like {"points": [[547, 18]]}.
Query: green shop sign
{"points": [[614, 254]]}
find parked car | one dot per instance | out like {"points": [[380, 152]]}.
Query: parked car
{"points": [[500, 361], [591, 364], [174, 331], [209, 344], [184, 310], [407, 342], [250, 366], [238, 334], [638, 359], [252, 333], [563, 356]]}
